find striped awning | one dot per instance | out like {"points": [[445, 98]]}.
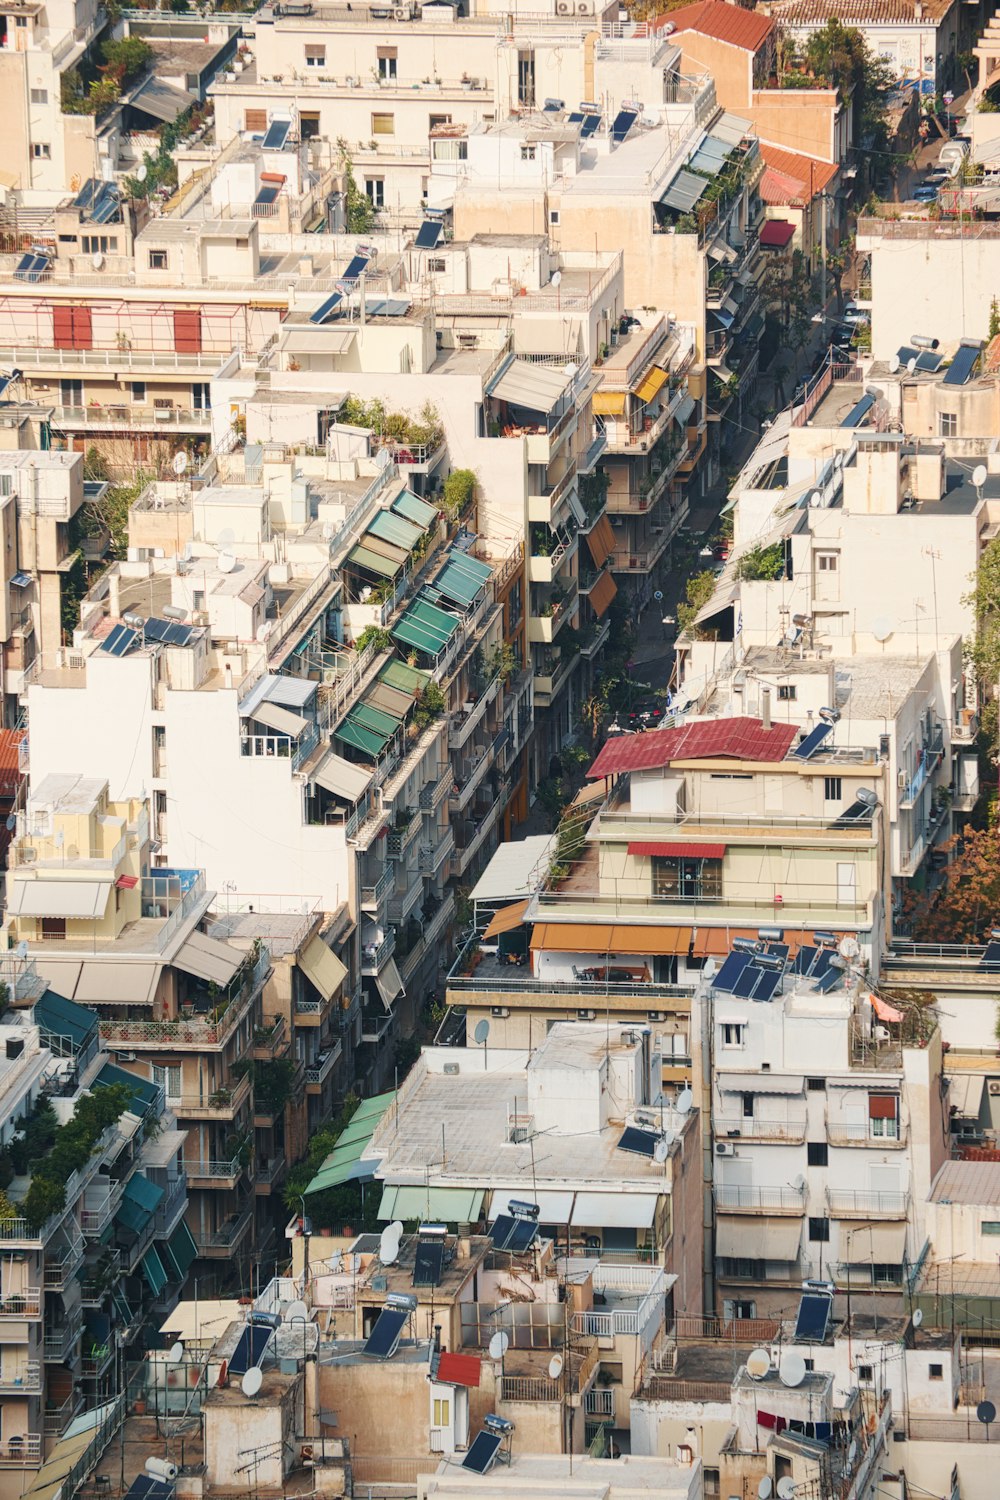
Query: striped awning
{"points": [[609, 403], [426, 627]]}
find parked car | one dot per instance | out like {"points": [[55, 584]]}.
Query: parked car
{"points": [[926, 194], [854, 314]]}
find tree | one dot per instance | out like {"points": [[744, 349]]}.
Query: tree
{"points": [[994, 327], [982, 651], [358, 207], [762, 563], [964, 909], [459, 488], [842, 55], [699, 590]]}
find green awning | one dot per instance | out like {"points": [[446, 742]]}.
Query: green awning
{"points": [[430, 1204], [145, 1095], [395, 529], [373, 562], [389, 700], [362, 739], [426, 627], [375, 719], [462, 578], [407, 679], [57, 1017], [140, 1201], [347, 1162], [152, 1268], [415, 509], [122, 1308], [180, 1251]]}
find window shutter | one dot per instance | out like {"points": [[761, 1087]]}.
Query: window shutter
{"points": [[882, 1106], [83, 328], [187, 331], [255, 120], [62, 327]]}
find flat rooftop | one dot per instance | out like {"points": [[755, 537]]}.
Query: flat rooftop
{"points": [[456, 1271], [531, 1475]]}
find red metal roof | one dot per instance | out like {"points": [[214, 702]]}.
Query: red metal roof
{"points": [[739, 739], [10, 760], [799, 177], [726, 23], [678, 851], [775, 234], [458, 1369]]}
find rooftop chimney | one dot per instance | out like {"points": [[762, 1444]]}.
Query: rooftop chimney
{"points": [[765, 707], [437, 1338]]}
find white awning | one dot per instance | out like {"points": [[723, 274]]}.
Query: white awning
{"points": [[732, 128], [323, 967], [318, 340], [871, 1244], [536, 387], [546, 336], [761, 1083], [107, 983], [718, 602], [201, 1321], [342, 777], [206, 958], [160, 1150], [553, 1207], [389, 983], [965, 1093], [276, 717], [75, 900], [515, 870], [619, 1210], [758, 1238], [685, 407]]}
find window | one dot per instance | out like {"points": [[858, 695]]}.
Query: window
{"points": [[383, 124], [53, 927], [157, 260], [819, 1231], [255, 121], [817, 1154], [71, 392], [187, 331], [386, 62], [732, 1033], [525, 76], [711, 1477], [308, 124], [106, 244], [787, 692], [735, 1308], [740, 1269], [138, 390], [7, 488], [72, 327], [748, 1106], [447, 150], [436, 263], [442, 1412], [948, 424], [886, 1129], [433, 121], [553, 216], [935, 1372], [528, 153], [987, 1226], [41, 151], [827, 562], [883, 1116], [375, 188], [39, 96], [816, 1085], [833, 789], [687, 879], [866, 1374], [168, 1078], [885, 1273], [201, 396], [316, 56]]}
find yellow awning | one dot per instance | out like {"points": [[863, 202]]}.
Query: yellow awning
{"points": [[601, 541], [323, 967], [609, 403], [652, 384], [602, 593], [607, 937], [506, 919]]}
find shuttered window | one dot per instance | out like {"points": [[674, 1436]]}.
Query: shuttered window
{"points": [[255, 120], [882, 1106], [72, 328], [187, 332]]}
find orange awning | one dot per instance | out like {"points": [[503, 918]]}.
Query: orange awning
{"points": [[611, 937], [506, 919], [609, 403], [602, 593], [715, 942], [601, 541]]}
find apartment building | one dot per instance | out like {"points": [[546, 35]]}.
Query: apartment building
{"points": [[918, 41]]}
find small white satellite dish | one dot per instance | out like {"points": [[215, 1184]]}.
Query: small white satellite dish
{"points": [[383, 459], [765, 1487], [911, 365], [799, 1183], [296, 1312], [893, 363], [555, 1366], [397, 1227], [142, 173], [97, 259], [225, 562], [792, 1369], [668, 1138], [569, 370], [710, 967], [815, 500], [179, 463], [388, 1246], [758, 1364], [556, 278], [786, 1488], [685, 1099], [176, 1353], [499, 1344], [918, 1317], [979, 476], [263, 631], [882, 628], [848, 947], [660, 1152], [252, 1381], [852, 1451]]}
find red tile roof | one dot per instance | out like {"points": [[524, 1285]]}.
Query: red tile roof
{"points": [[725, 23], [738, 739], [792, 178], [459, 1369]]}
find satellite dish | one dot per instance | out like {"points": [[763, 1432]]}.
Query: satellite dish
{"points": [[296, 1312], [918, 1317], [799, 1182], [710, 967], [482, 1031], [22, 949], [765, 1487], [893, 363], [556, 278], [397, 1228], [911, 365], [252, 1381], [97, 259], [668, 1138], [815, 500], [388, 1246], [986, 1412], [180, 463], [852, 1451], [383, 459], [882, 628], [661, 1151], [786, 1488], [848, 947], [685, 1099], [263, 631], [499, 1344], [979, 476], [11, 823], [569, 370], [555, 1365], [792, 1369], [225, 562], [758, 1364], [142, 173], [176, 1353]]}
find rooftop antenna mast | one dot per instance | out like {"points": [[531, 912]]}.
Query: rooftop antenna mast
{"points": [[255, 1457]]}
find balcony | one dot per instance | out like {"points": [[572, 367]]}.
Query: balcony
{"points": [[310, 1011], [730, 1127], [190, 1033], [592, 645], [372, 896], [434, 792], [171, 1207], [21, 1452], [269, 1175], [319, 1072], [21, 1379], [772, 1200], [96, 418], [222, 1104], [408, 824], [22, 1306], [546, 567], [461, 725], [433, 856], [851, 1203], [61, 1261], [58, 1418], [375, 1027], [95, 1218], [214, 1174], [219, 1244], [99, 1358], [33, 358], [400, 907], [439, 921], [59, 1343], [375, 955], [599, 1401], [840, 1133], [269, 1040]]}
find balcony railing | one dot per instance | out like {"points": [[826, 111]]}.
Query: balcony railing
{"points": [[25, 1449], [840, 1133], [26, 1378], [855, 1203], [219, 1104], [189, 1031], [373, 895], [268, 1039], [789, 1200], [599, 1401], [374, 955], [214, 1171], [128, 418], [26, 1303], [60, 1262], [221, 1241], [320, 1071], [792, 1132]]}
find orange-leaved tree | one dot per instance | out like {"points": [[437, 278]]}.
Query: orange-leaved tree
{"points": [[967, 906]]}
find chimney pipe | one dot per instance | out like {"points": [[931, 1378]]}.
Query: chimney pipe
{"points": [[765, 711], [310, 1415], [437, 1338]]}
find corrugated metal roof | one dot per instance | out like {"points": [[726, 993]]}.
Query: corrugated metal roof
{"points": [[739, 739], [975, 1182]]}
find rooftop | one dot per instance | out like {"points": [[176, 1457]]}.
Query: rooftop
{"points": [[532, 1475], [725, 23], [975, 1182], [803, 176], [858, 12], [738, 739]]}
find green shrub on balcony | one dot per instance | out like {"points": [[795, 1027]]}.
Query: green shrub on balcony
{"points": [[459, 489], [762, 563], [71, 1149]]}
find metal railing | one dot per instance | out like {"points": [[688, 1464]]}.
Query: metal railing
{"points": [[371, 895], [115, 417], [25, 1448], [268, 1039], [123, 356], [26, 1303], [840, 1133], [788, 1199], [322, 1069], [26, 1377], [61, 1262], [845, 1201], [188, 1031], [374, 955], [214, 1170], [751, 1129]]}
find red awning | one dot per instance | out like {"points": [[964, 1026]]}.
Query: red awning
{"points": [[678, 851], [883, 1106], [458, 1369], [776, 234], [127, 882]]}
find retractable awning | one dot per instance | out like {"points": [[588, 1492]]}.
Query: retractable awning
{"points": [[685, 407], [206, 958], [412, 508], [872, 1243], [74, 900], [273, 716], [553, 1207], [443, 1205], [55, 1016], [684, 192], [761, 1083], [342, 777], [322, 967], [536, 387], [506, 920], [396, 530], [601, 541], [601, 594], [758, 1238], [426, 627], [102, 982], [368, 741], [389, 700], [348, 1161], [462, 579], [620, 1210], [652, 383], [388, 983], [607, 937], [408, 679], [374, 562], [609, 403]]}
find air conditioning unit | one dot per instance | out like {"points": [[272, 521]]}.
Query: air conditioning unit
{"points": [[500, 1011], [125, 1056], [657, 1015], [586, 1015], [995, 1088], [725, 1148]]}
